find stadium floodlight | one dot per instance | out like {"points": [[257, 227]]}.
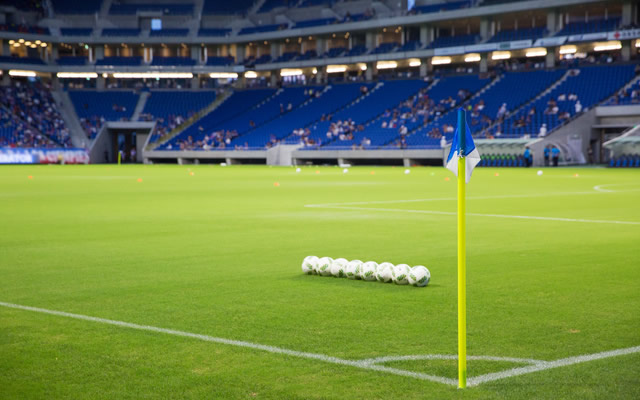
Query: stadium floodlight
{"points": [[152, 75], [19, 72], [606, 46], [638, 43], [250, 74], [223, 75], [362, 66], [33, 45], [12, 41], [20, 40], [386, 65], [332, 69], [77, 75], [472, 57], [440, 60], [27, 43], [291, 72], [536, 52], [414, 62], [501, 55], [43, 45], [16, 45], [314, 70], [568, 49], [37, 42]]}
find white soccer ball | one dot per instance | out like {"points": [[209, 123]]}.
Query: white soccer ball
{"points": [[338, 267], [401, 274], [407, 171], [540, 172], [353, 269], [298, 170], [344, 171], [419, 276], [324, 266], [385, 272], [368, 271], [309, 264]]}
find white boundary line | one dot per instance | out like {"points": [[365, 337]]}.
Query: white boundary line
{"points": [[592, 221], [368, 364]]}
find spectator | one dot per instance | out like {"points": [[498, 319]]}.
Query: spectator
{"points": [[555, 155]]}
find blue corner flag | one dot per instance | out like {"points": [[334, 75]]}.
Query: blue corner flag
{"points": [[462, 146]]}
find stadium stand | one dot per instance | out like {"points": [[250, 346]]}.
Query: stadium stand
{"points": [[120, 32], [220, 61], [172, 108], [579, 28], [582, 89], [626, 96], [445, 6], [71, 60], [314, 22], [176, 61], [116, 60], [238, 103], [261, 29], [167, 9], [451, 41], [519, 34], [214, 32], [21, 60], [270, 5], [33, 118], [36, 30], [95, 107], [76, 7], [76, 31], [169, 32], [226, 7]]}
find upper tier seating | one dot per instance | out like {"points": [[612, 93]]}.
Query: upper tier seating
{"points": [[261, 29], [214, 32], [446, 6], [170, 32], [600, 25], [269, 5], [76, 31], [314, 22], [36, 30], [167, 9], [385, 48], [520, 34], [452, 41], [21, 60], [70, 60], [226, 7], [131, 61], [76, 7], [120, 32], [221, 61], [177, 61]]}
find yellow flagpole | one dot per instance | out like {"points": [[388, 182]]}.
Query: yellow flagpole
{"points": [[462, 278]]}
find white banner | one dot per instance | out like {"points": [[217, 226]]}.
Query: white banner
{"points": [[447, 51], [481, 47], [622, 35], [552, 41], [518, 44], [587, 37]]}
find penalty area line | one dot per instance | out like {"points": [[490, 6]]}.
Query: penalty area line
{"points": [[239, 343]]}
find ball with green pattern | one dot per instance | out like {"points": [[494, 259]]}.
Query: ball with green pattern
{"points": [[309, 265], [338, 267], [401, 274], [368, 271], [419, 276], [324, 266], [385, 272], [353, 269]]}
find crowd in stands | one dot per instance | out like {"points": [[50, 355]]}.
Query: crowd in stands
{"points": [[164, 125], [630, 95], [34, 113], [218, 140]]}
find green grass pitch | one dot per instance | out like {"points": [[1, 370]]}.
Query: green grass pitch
{"points": [[217, 251]]}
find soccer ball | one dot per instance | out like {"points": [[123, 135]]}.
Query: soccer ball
{"points": [[419, 276], [309, 265], [401, 273], [368, 271], [540, 172], [353, 269], [385, 272], [324, 266], [338, 267]]}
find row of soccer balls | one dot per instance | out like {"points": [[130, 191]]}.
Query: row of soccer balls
{"points": [[401, 274]]}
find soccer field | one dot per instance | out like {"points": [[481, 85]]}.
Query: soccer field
{"points": [[185, 282]]}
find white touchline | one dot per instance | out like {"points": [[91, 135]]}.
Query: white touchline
{"points": [[369, 364], [593, 221]]}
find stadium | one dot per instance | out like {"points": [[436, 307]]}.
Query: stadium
{"points": [[184, 181]]}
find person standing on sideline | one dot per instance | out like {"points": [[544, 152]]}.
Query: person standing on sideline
{"points": [[546, 156], [555, 155], [528, 158]]}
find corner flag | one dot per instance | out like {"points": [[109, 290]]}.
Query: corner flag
{"points": [[462, 159], [462, 146]]}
